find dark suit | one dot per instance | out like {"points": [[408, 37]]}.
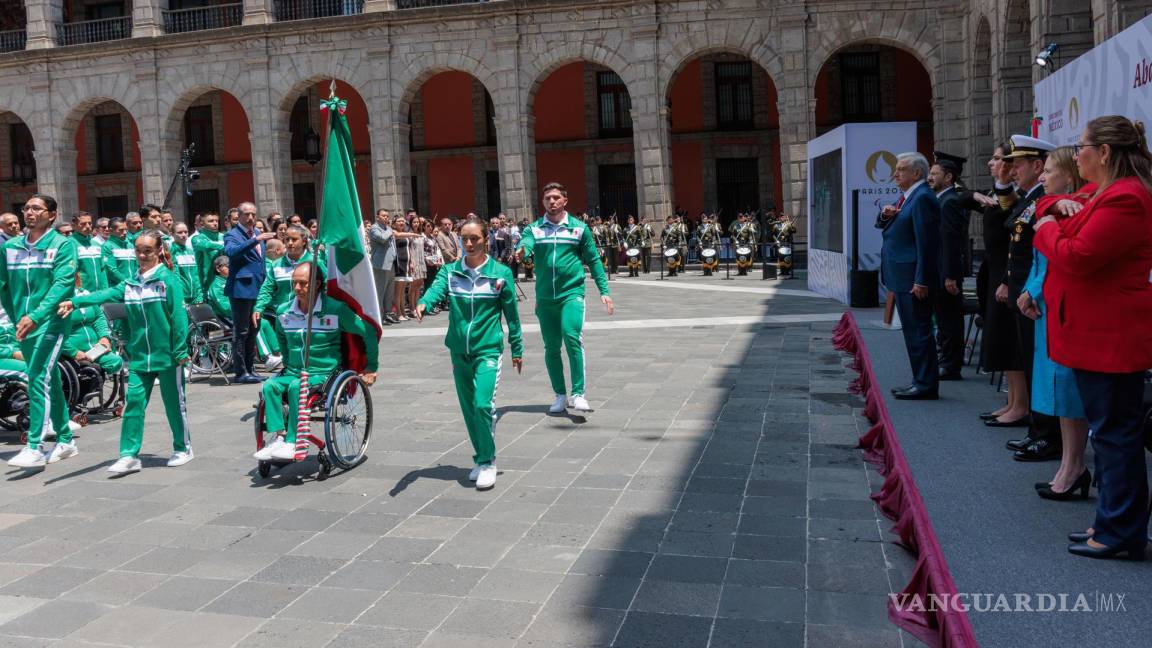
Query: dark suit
{"points": [[949, 308], [245, 276], [1019, 225], [911, 256]]}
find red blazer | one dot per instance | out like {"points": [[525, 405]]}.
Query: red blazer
{"points": [[1097, 288]]}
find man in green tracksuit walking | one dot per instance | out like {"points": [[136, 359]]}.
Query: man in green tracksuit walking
{"points": [[89, 254], [330, 318], [157, 347], [117, 254], [560, 246], [480, 293], [37, 273]]}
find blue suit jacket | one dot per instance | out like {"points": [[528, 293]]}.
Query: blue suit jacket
{"points": [[245, 264], [911, 251]]}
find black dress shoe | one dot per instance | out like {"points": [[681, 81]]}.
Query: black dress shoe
{"points": [[1134, 551], [951, 375], [997, 423], [1015, 445], [988, 416], [1079, 536], [896, 390], [249, 379], [915, 393], [1042, 450], [1082, 483]]}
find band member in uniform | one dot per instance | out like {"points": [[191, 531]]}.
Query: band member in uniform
{"points": [[613, 239], [480, 294], [600, 239], [949, 296], [670, 238], [634, 240], [708, 238], [37, 273], [746, 236], [783, 232], [561, 246], [646, 238], [157, 348]]}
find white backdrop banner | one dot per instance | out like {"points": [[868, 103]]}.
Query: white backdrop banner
{"points": [[1114, 78]]}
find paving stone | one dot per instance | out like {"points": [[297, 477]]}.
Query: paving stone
{"points": [[666, 597], [495, 619], [650, 630], [260, 600], [183, 593], [410, 610]]}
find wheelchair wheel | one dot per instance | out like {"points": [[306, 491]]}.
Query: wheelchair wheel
{"points": [[70, 382], [112, 391], [348, 420], [204, 359]]}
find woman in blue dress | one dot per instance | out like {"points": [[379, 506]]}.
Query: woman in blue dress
{"points": [[1054, 390]]}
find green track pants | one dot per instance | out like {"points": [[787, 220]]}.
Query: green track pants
{"points": [[477, 378], [175, 408], [562, 322], [276, 390], [47, 409], [266, 342]]}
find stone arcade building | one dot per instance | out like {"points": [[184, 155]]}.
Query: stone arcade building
{"points": [[671, 104]]}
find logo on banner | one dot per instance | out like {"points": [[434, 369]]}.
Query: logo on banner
{"points": [[881, 167], [1074, 113]]}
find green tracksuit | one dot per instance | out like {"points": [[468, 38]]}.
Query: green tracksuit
{"points": [[560, 252], [118, 256], [477, 300], [207, 245], [184, 263], [34, 279], [88, 326], [157, 344], [274, 293], [90, 263], [10, 366], [330, 318]]}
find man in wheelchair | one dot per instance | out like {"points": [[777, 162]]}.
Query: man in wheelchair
{"points": [[330, 320]]}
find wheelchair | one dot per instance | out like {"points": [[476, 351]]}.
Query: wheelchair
{"points": [[90, 390], [344, 406], [14, 406], [209, 342]]}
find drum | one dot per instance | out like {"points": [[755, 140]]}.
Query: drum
{"points": [[671, 253], [743, 250], [708, 253], [632, 252], [785, 250]]}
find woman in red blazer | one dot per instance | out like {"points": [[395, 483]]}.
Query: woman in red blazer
{"points": [[1100, 263]]}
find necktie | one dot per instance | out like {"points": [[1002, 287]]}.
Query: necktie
{"points": [[900, 203]]}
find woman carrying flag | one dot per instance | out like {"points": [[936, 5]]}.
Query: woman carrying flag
{"points": [[480, 292]]}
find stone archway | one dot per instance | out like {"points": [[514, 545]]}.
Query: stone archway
{"points": [[105, 139], [18, 177]]}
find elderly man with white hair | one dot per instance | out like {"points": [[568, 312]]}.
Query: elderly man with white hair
{"points": [[909, 268]]}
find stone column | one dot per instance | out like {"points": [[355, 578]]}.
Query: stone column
{"points": [[650, 136], [796, 106], [258, 12], [515, 146], [55, 152], [156, 166], [389, 183], [271, 144], [42, 16], [951, 122], [148, 19]]}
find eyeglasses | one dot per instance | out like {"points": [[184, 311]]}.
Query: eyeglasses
{"points": [[1076, 148], [34, 209]]}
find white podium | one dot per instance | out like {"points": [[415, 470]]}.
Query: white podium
{"points": [[853, 157]]}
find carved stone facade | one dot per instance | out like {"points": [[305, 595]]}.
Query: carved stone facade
{"points": [[977, 54]]}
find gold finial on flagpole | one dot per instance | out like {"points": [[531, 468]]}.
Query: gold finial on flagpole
{"points": [[332, 89]]}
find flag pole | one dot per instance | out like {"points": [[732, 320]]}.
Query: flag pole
{"points": [[304, 414]]}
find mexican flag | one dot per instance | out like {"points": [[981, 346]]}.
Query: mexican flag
{"points": [[341, 226]]}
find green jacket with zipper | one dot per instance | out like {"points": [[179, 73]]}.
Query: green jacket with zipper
{"points": [[88, 326], [476, 302], [184, 263], [330, 319], [90, 262], [118, 256], [560, 252], [157, 323], [207, 245], [35, 278]]}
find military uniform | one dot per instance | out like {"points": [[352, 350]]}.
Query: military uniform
{"points": [[676, 235], [747, 235], [646, 238], [634, 238], [708, 237], [613, 237], [782, 233]]}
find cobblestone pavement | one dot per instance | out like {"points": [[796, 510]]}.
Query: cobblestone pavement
{"points": [[713, 498]]}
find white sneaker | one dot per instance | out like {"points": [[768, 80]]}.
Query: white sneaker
{"points": [[487, 477], [265, 453], [559, 405], [273, 362], [74, 426], [28, 458], [580, 404], [180, 458], [63, 451], [125, 465], [472, 476], [283, 451]]}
